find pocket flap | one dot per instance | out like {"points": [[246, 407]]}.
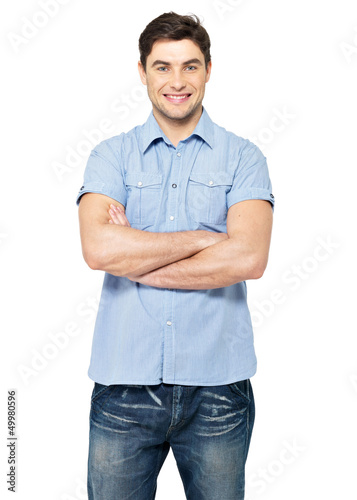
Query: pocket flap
{"points": [[142, 179], [212, 179]]}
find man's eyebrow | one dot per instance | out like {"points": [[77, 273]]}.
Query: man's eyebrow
{"points": [[158, 62]]}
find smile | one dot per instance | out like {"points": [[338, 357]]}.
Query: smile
{"points": [[177, 97]]}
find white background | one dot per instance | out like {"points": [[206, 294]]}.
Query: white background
{"points": [[58, 84]]}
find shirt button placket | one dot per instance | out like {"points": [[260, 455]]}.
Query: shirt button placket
{"points": [[169, 343], [173, 196]]}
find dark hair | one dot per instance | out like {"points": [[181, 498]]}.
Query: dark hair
{"points": [[175, 27]]}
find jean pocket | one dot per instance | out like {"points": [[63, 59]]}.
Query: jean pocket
{"points": [[99, 390], [243, 389], [207, 196], [143, 197]]}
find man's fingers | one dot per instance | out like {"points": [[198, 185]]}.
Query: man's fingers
{"points": [[121, 215], [114, 216], [118, 216], [124, 218]]}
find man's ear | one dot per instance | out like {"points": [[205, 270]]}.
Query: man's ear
{"points": [[208, 71], [142, 73]]}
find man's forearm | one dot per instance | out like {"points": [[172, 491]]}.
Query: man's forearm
{"points": [[129, 252], [220, 265], [110, 244]]}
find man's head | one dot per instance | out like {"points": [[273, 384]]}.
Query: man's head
{"points": [[175, 27], [175, 64]]}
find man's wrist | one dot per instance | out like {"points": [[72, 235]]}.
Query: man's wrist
{"points": [[211, 238]]}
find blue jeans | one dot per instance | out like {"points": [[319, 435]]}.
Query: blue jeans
{"points": [[133, 426]]}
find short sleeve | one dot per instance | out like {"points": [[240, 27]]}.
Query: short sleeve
{"points": [[104, 171], [251, 179]]}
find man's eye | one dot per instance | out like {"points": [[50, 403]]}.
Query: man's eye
{"points": [[163, 68], [191, 67]]}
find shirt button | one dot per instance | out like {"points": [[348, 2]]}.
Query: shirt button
{"points": [[168, 323], [140, 183], [210, 183], [172, 217], [178, 154], [174, 185]]}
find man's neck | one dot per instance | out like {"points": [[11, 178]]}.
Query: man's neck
{"points": [[177, 130]]}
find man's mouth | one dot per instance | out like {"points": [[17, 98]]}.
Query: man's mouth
{"points": [[177, 97]]}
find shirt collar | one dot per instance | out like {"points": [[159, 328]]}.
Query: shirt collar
{"points": [[152, 130]]}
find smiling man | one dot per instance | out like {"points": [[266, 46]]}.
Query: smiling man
{"points": [[176, 85], [178, 213]]}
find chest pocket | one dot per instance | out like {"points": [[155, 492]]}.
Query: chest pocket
{"points": [[143, 201], [206, 196]]}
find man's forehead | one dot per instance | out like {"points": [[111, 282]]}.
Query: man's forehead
{"points": [[175, 51]]}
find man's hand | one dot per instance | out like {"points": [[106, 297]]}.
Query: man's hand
{"points": [[118, 216]]}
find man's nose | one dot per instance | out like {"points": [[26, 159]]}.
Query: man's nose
{"points": [[177, 80]]}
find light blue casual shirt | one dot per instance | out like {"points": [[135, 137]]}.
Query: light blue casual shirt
{"points": [[147, 335]]}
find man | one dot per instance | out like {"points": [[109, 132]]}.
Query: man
{"points": [[178, 213]]}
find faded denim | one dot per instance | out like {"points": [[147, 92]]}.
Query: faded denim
{"points": [[132, 428]]}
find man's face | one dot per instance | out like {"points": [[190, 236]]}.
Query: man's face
{"points": [[175, 77]]}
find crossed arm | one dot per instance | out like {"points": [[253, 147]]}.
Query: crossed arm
{"points": [[187, 259]]}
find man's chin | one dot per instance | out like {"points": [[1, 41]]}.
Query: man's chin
{"points": [[178, 115]]}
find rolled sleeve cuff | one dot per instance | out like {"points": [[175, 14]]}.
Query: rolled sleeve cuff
{"points": [[101, 188], [251, 194]]}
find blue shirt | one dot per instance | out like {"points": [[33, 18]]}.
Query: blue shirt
{"points": [[147, 335]]}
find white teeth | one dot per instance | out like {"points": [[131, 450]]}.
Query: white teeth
{"points": [[176, 96]]}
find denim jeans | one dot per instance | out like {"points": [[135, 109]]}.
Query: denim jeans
{"points": [[132, 428]]}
